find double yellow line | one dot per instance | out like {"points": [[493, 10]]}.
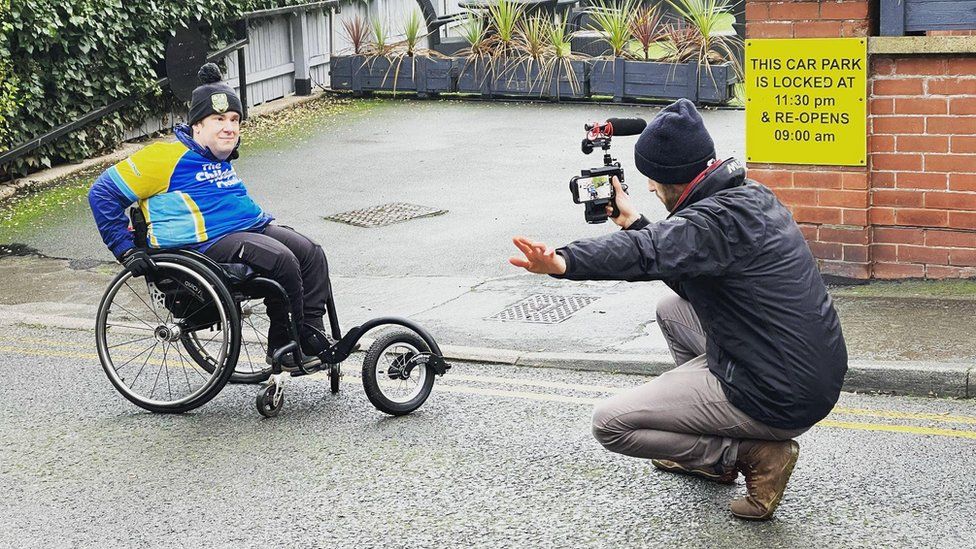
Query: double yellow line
{"points": [[860, 426], [57, 349]]}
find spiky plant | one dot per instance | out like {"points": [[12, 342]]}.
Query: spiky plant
{"points": [[645, 26], [356, 30], [560, 39], [504, 43], [474, 32], [709, 18], [505, 16], [562, 51], [411, 32], [534, 51], [535, 33], [381, 49], [679, 43], [613, 21], [380, 38]]}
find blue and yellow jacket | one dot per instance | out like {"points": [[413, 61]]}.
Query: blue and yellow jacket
{"points": [[189, 198]]}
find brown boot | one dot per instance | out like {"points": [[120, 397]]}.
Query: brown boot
{"points": [[726, 477], [767, 466]]}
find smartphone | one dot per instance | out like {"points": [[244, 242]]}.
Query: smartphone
{"points": [[588, 189]]}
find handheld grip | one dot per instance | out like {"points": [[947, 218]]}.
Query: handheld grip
{"points": [[615, 213]]}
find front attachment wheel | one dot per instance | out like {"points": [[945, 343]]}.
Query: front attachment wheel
{"points": [[395, 373]]}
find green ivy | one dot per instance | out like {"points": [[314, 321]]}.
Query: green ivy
{"points": [[61, 60]]}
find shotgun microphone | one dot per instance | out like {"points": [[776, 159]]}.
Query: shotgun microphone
{"points": [[627, 126]]}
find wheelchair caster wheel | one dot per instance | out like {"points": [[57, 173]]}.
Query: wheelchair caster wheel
{"points": [[334, 375], [270, 400]]}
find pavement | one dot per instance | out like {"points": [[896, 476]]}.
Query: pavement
{"points": [[498, 170]]}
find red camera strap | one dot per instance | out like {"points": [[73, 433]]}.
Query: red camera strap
{"points": [[711, 167]]}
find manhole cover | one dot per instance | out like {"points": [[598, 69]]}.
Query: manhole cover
{"points": [[385, 214], [544, 309]]}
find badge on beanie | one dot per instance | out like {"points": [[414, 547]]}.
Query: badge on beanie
{"points": [[219, 102]]}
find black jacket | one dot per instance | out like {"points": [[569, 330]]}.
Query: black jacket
{"points": [[733, 250]]}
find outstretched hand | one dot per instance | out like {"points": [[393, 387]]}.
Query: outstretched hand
{"points": [[538, 258]]}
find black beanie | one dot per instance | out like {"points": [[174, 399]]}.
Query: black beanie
{"points": [[674, 147], [212, 96]]}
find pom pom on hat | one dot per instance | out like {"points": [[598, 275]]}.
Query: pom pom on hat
{"points": [[209, 74]]}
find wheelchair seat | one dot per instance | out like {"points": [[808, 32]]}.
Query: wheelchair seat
{"points": [[237, 273]]}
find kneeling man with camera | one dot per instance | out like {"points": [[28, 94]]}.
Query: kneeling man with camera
{"points": [[758, 346]]}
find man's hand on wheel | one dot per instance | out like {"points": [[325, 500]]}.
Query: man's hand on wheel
{"points": [[137, 262], [628, 213], [538, 258]]}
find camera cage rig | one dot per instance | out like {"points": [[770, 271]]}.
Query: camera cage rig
{"points": [[599, 135]]}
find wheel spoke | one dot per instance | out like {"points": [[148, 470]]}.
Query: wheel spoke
{"points": [[183, 364], [129, 342], [144, 362], [169, 389], [248, 355], [151, 308], [135, 316], [158, 371], [137, 356], [129, 326]]}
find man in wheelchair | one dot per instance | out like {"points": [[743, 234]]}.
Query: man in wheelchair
{"points": [[191, 198]]}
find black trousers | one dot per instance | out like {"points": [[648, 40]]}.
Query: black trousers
{"points": [[294, 261]]}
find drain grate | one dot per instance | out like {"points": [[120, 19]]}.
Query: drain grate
{"points": [[544, 308], [385, 214]]}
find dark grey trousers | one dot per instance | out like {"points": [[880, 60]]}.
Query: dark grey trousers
{"points": [[291, 259], [682, 415]]}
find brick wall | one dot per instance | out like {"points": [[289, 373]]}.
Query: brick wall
{"points": [[912, 211], [922, 149], [806, 18], [829, 203]]}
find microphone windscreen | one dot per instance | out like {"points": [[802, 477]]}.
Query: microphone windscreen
{"points": [[627, 126]]}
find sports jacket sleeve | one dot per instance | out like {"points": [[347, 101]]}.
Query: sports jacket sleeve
{"points": [[695, 243], [108, 205], [136, 178]]}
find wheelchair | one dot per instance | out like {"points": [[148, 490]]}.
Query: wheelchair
{"points": [[170, 341]]}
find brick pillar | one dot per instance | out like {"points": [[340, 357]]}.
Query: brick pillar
{"points": [[922, 151], [829, 203]]}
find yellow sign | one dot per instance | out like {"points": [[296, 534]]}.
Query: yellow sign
{"points": [[806, 101]]}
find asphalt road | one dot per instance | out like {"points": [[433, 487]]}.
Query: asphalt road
{"points": [[498, 457]]}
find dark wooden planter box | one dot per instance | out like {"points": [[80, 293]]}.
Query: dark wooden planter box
{"points": [[900, 17], [423, 75], [520, 80], [628, 79]]}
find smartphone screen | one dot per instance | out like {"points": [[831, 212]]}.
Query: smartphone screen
{"points": [[593, 188]]}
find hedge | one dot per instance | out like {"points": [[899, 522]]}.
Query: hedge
{"points": [[60, 60]]}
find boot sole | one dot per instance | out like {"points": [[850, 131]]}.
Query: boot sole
{"points": [[691, 473], [795, 449]]}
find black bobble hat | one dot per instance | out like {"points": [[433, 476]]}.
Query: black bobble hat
{"points": [[212, 96], [675, 146]]}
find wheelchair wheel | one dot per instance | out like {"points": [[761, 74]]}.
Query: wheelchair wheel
{"points": [[395, 374], [140, 326], [252, 366]]}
